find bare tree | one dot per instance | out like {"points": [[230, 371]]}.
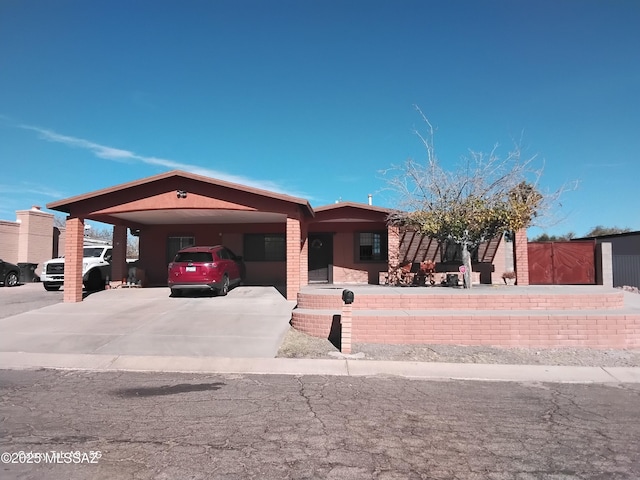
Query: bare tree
{"points": [[59, 221], [485, 196], [104, 234]]}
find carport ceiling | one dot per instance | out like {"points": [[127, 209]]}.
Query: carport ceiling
{"points": [[204, 216]]}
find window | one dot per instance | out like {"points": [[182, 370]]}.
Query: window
{"points": [[371, 246], [92, 252], [270, 247], [175, 244], [194, 257]]}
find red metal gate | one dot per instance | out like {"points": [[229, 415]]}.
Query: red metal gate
{"points": [[562, 263]]}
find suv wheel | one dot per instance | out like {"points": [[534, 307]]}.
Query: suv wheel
{"points": [[224, 289]]}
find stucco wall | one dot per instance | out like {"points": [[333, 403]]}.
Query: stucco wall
{"points": [[346, 269], [502, 261]]}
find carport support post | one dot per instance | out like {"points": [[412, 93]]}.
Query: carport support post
{"points": [[293, 258], [73, 260], [304, 254], [345, 323], [119, 261]]}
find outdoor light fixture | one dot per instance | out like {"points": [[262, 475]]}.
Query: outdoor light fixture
{"points": [[181, 194]]}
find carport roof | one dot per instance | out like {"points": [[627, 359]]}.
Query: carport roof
{"points": [[67, 204]]}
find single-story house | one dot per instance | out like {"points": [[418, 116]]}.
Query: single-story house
{"points": [[283, 240]]}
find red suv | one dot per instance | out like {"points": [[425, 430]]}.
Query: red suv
{"points": [[205, 268]]}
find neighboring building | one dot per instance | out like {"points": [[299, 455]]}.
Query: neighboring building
{"points": [[625, 248], [284, 241], [31, 238]]}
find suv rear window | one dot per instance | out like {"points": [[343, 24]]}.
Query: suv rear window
{"points": [[196, 257]]}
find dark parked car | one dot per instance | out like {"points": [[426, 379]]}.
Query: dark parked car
{"points": [[205, 268], [9, 274]]}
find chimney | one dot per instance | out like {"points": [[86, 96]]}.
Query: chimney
{"points": [[35, 208], [370, 199]]}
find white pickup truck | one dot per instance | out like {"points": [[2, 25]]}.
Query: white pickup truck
{"points": [[96, 267]]}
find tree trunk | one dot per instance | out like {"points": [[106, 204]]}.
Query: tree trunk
{"points": [[466, 261]]}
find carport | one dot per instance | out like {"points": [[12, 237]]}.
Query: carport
{"points": [[169, 210]]}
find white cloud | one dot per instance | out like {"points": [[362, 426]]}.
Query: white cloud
{"points": [[119, 155], [31, 188]]}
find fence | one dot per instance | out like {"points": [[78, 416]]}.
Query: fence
{"points": [[626, 270]]}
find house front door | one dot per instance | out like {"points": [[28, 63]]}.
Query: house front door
{"points": [[320, 257]]}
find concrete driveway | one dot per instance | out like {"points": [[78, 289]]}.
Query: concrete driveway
{"points": [[249, 322]]}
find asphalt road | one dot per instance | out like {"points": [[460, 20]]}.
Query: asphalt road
{"points": [[178, 426]]}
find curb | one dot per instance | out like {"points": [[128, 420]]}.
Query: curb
{"points": [[338, 367]]}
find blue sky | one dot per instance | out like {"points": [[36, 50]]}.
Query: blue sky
{"points": [[315, 98]]}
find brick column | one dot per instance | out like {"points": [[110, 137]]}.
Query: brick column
{"points": [[119, 261], [521, 257], [393, 249], [293, 258], [346, 320], [73, 260], [304, 254]]}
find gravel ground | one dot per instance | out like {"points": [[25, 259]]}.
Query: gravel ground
{"points": [[300, 345]]}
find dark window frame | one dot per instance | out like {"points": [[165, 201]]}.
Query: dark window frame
{"points": [[379, 246], [264, 247], [179, 242]]}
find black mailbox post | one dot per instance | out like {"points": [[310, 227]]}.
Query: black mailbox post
{"points": [[347, 297]]}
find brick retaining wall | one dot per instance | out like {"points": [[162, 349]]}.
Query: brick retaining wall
{"points": [[578, 320]]}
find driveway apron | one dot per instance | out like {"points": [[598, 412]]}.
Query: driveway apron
{"points": [[248, 322]]}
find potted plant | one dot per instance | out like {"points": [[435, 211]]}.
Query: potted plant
{"points": [[509, 278]]}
